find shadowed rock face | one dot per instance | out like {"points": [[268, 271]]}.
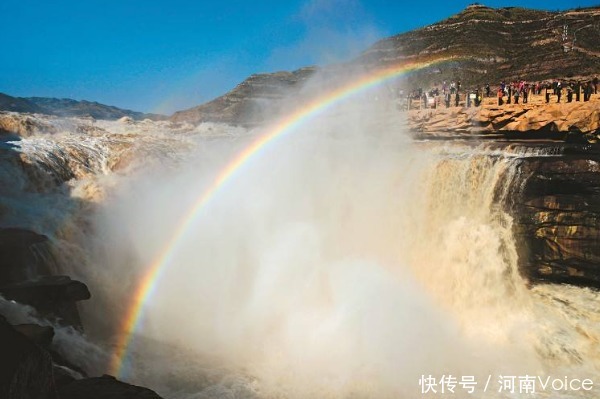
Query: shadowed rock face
{"points": [[557, 217], [20, 255], [105, 387], [54, 297], [25, 369], [26, 277]]}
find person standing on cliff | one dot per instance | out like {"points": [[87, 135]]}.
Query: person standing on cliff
{"points": [[577, 90], [500, 95], [510, 89], [548, 88], [587, 91], [558, 92], [516, 95], [595, 84]]}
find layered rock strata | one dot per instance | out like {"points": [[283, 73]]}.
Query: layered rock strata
{"points": [[557, 217]]}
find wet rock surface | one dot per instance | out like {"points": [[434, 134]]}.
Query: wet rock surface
{"points": [[21, 255], [25, 368], [105, 387], [23, 125], [31, 367], [557, 215], [54, 297]]}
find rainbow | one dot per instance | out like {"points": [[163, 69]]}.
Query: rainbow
{"points": [[157, 268]]}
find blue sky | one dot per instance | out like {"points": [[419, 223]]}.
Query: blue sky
{"points": [[163, 56]]}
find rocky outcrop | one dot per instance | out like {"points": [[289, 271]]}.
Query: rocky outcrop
{"points": [[29, 371], [557, 215], [253, 101], [488, 45], [105, 387], [54, 297], [39, 335], [23, 125], [30, 367], [25, 368], [533, 120], [21, 255]]}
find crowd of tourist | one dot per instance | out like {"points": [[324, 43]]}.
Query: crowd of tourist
{"points": [[507, 93], [556, 87]]}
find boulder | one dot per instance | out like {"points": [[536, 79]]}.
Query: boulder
{"points": [[21, 255], [25, 369], [40, 335], [105, 387], [54, 297], [23, 125]]}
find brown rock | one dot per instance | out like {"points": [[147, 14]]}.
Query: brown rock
{"points": [[23, 125], [557, 219]]}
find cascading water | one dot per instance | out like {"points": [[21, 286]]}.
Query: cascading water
{"points": [[337, 264]]}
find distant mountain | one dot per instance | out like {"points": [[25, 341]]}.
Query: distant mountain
{"points": [[17, 104], [68, 107], [486, 45]]}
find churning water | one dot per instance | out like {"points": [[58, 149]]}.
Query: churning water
{"points": [[343, 261]]}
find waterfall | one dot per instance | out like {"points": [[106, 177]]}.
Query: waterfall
{"points": [[335, 264]]}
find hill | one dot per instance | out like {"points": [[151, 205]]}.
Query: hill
{"points": [[501, 44], [66, 107], [487, 45]]}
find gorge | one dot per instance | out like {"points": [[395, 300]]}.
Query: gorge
{"points": [[315, 241]]}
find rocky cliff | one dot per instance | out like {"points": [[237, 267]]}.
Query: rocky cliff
{"points": [[491, 45], [485, 45], [557, 214], [253, 101], [534, 120]]}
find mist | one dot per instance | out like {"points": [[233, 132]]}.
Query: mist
{"points": [[341, 260]]}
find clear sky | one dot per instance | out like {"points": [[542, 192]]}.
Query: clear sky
{"points": [[163, 56]]}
